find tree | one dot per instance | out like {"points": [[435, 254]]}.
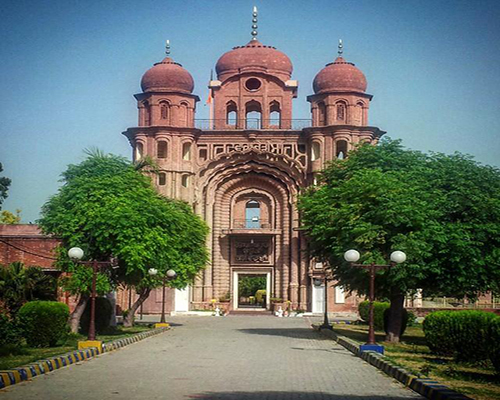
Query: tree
{"points": [[442, 210], [109, 208], [20, 284], [4, 186], [6, 217]]}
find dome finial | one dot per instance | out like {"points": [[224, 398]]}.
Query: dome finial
{"points": [[254, 23], [341, 48], [167, 48]]}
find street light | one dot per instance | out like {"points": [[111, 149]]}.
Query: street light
{"points": [[352, 256], [169, 275], [76, 254]]}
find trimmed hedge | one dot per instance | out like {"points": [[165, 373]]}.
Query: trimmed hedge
{"points": [[378, 312], [494, 343], [43, 323], [103, 311], [463, 334]]}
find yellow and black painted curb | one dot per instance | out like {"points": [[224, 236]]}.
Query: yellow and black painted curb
{"points": [[428, 388], [16, 375]]}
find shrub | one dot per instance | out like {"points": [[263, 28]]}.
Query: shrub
{"points": [[43, 323], [9, 332], [378, 312], [463, 334], [259, 295], [494, 340], [103, 311], [412, 318]]}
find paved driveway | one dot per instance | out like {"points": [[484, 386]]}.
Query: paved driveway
{"points": [[238, 357]]}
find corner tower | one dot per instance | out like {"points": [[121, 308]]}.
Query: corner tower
{"points": [[165, 130]]}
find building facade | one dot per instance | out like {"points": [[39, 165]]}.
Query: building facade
{"points": [[243, 169]]}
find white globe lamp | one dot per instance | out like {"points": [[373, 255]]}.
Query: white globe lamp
{"points": [[351, 256]]}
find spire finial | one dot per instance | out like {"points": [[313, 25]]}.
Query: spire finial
{"points": [[254, 23], [167, 48], [341, 48]]}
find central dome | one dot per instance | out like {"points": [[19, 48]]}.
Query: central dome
{"points": [[254, 54]]}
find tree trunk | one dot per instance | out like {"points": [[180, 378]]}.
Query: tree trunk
{"points": [[129, 319], [111, 296], [74, 318], [395, 317]]}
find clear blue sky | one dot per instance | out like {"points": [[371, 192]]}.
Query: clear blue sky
{"points": [[69, 69]]}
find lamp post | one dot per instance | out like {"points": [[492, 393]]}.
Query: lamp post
{"points": [[169, 275], [76, 255], [327, 277], [352, 256]]}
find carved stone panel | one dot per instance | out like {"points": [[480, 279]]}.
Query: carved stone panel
{"points": [[252, 251]]}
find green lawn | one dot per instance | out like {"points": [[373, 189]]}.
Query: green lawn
{"points": [[476, 380], [19, 356]]}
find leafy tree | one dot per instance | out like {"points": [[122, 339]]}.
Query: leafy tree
{"points": [[442, 210], [108, 207], [4, 186], [6, 217], [20, 284], [248, 285]]}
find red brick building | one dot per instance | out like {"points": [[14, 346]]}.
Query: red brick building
{"points": [[243, 169]]}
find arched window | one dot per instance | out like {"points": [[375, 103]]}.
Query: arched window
{"points": [[164, 111], [341, 111], [341, 149], [186, 151], [274, 114], [183, 114], [359, 113], [162, 179], [321, 114], [161, 149], [253, 114], [315, 151], [231, 113], [185, 181], [147, 114], [139, 151], [252, 215]]}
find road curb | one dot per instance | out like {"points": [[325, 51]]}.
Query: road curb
{"points": [[428, 388], [27, 372]]}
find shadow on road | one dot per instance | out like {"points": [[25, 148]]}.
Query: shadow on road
{"points": [[270, 395], [297, 333]]}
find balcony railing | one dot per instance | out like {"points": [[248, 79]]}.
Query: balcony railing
{"points": [[253, 223], [252, 123]]}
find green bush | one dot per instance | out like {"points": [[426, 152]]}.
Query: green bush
{"points": [[412, 318], [404, 322], [9, 332], [43, 323], [103, 311], [259, 296], [463, 334], [494, 340], [378, 312]]}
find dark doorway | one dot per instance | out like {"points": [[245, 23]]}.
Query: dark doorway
{"points": [[252, 291]]}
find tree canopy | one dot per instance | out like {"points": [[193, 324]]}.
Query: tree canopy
{"points": [[109, 208], [4, 186], [443, 211]]}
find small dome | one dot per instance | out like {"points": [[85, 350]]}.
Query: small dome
{"points": [[254, 54], [167, 75], [339, 76]]}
